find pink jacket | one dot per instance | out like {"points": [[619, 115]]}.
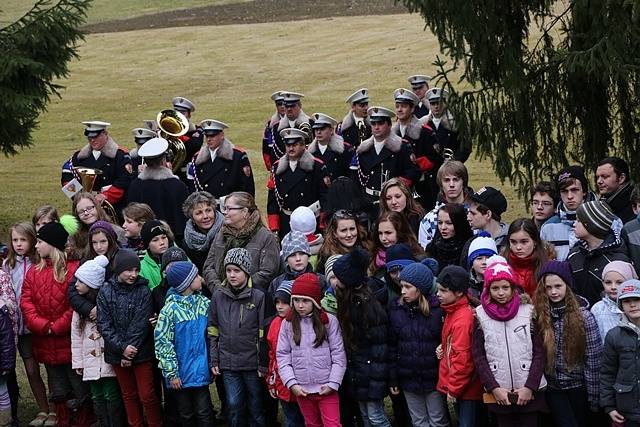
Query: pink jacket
{"points": [[87, 348]]}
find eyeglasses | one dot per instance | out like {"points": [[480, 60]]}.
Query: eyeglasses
{"points": [[230, 208], [544, 204], [86, 210], [344, 214]]}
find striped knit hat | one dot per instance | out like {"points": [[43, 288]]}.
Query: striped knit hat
{"points": [[597, 218]]}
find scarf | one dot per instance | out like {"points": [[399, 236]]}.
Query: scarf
{"points": [[238, 238], [198, 241], [445, 251], [500, 312], [381, 258]]}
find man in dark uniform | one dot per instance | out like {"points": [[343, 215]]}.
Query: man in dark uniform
{"points": [[382, 156], [104, 154], [297, 179], [219, 167], [355, 126], [159, 188], [294, 118], [420, 86], [269, 149], [330, 148], [193, 139], [410, 129], [140, 136]]}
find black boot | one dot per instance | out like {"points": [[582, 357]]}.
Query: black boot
{"points": [[102, 413], [116, 413]]}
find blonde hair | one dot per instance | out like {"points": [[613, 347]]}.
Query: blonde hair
{"points": [[43, 211], [59, 262], [423, 303]]}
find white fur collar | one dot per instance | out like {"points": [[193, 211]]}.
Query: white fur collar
{"points": [[393, 143], [109, 150], [284, 122], [349, 121], [275, 119], [225, 151], [305, 163], [413, 128], [133, 153], [336, 144], [447, 120], [156, 174]]}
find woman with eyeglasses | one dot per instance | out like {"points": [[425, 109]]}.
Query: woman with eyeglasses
{"points": [[87, 211], [395, 196], [203, 223], [343, 233], [242, 227]]}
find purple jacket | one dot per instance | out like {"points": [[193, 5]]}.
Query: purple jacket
{"points": [[308, 366]]}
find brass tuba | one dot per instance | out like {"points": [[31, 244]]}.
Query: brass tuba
{"points": [[172, 125], [87, 178]]}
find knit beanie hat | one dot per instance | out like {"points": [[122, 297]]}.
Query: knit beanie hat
{"points": [[625, 269], [293, 242], [420, 276], [351, 268], [399, 256], [283, 293], [454, 278], [559, 268], [498, 269], [597, 218], [239, 257], [125, 259], [54, 234], [172, 254], [104, 226], [328, 266], [307, 286], [575, 172], [303, 220], [91, 273], [181, 274], [151, 229], [483, 244]]}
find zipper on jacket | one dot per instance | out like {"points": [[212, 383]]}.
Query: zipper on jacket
{"points": [[241, 313], [508, 354]]}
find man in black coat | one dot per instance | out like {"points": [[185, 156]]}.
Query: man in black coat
{"points": [[219, 167], [355, 127], [193, 139], [140, 136], [615, 186], [334, 152], [420, 86], [269, 149]]}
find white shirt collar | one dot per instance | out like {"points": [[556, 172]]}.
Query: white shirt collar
{"points": [[378, 145], [213, 153], [96, 153], [293, 164], [322, 148]]}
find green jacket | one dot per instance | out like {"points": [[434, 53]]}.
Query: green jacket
{"points": [[150, 270]]}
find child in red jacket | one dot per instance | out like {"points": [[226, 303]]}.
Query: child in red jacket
{"points": [[457, 377], [47, 315], [277, 390]]}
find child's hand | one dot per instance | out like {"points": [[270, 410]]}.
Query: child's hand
{"points": [[273, 393], [394, 390], [616, 417], [324, 390], [215, 371], [450, 398], [176, 384], [130, 352], [261, 374], [79, 371], [125, 363], [298, 391], [525, 396], [93, 314], [153, 320], [501, 395], [439, 352]]}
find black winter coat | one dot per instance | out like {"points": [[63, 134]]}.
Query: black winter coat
{"points": [[123, 319], [367, 372], [413, 339]]}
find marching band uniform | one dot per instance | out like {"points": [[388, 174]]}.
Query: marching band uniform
{"points": [[336, 154], [354, 129], [223, 170], [193, 139], [293, 184], [371, 168], [140, 136], [268, 149], [418, 82], [112, 160]]}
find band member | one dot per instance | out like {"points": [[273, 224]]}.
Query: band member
{"points": [[440, 119], [269, 149], [330, 148], [382, 156], [140, 136], [159, 188], [103, 153], [420, 86], [410, 129], [193, 139], [219, 167], [294, 118], [297, 179], [355, 126]]}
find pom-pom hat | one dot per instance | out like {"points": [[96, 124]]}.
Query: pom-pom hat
{"points": [[91, 273], [498, 269]]}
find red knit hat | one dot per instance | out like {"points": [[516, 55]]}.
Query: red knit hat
{"points": [[307, 286], [498, 269]]}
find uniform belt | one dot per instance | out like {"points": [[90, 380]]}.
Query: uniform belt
{"points": [[372, 192]]}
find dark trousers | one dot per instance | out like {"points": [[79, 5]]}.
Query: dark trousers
{"points": [[292, 415], [194, 406], [349, 410], [529, 419], [244, 395], [401, 415], [569, 408]]}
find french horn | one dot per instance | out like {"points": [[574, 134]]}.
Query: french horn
{"points": [[171, 126]]}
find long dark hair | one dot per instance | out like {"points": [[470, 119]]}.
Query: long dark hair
{"points": [[403, 233], [357, 305], [458, 217], [318, 327]]}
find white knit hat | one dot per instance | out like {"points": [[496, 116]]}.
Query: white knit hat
{"points": [[91, 273], [303, 220]]}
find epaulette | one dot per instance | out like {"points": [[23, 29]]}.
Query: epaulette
{"points": [[426, 126], [318, 160], [241, 150], [124, 149]]}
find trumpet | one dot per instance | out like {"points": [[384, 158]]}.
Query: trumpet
{"points": [[172, 125], [87, 179]]}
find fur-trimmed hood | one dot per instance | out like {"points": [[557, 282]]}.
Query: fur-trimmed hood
{"points": [[284, 122], [413, 128], [109, 150], [157, 174], [393, 143], [336, 144], [305, 163], [225, 151], [349, 121]]}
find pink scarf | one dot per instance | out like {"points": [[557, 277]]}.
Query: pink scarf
{"points": [[500, 312], [381, 258]]}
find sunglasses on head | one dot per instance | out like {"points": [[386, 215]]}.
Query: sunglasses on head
{"points": [[344, 214]]}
